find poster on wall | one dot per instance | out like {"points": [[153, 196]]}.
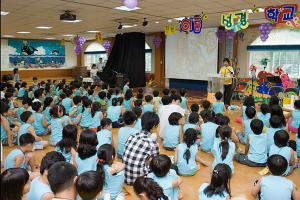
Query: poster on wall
{"points": [[36, 53]]}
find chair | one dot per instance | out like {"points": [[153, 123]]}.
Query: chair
{"points": [[295, 90], [275, 90]]}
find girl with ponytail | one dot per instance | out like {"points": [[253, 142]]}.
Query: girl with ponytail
{"points": [[186, 154], [148, 189], [113, 172], [57, 124], [219, 187], [223, 148]]}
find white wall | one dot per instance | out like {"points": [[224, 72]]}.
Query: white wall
{"points": [[70, 61]]}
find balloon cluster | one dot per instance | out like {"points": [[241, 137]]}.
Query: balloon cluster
{"points": [[265, 30], [221, 34], [230, 34], [157, 41], [130, 3], [107, 45], [79, 42]]}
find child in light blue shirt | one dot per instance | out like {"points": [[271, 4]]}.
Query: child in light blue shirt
{"points": [[76, 110], [256, 147], [183, 103], [96, 117], [48, 104], [166, 177], [148, 106], [275, 186], [86, 156], [138, 112], [26, 105], [67, 102], [104, 136], [128, 99], [86, 116], [172, 132], [224, 149], [186, 154], [57, 124], [114, 175], [264, 114], [218, 106], [129, 118], [281, 147], [219, 187], [126, 85], [208, 131], [275, 125], [23, 90], [193, 122], [68, 145], [39, 124], [294, 118], [250, 113], [248, 102], [114, 112]]}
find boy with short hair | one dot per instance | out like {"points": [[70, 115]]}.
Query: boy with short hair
{"points": [[250, 113], [256, 147], [218, 106], [89, 185], [40, 188], [61, 177], [148, 106]]}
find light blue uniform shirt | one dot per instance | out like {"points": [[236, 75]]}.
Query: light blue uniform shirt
{"points": [[127, 104], [138, 124], [208, 132], [77, 93], [113, 113], [203, 196], [56, 130], [103, 137], [171, 136], [10, 159], [270, 132], [67, 155], [183, 102], [23, 129], [74, 116], [185, 168], [217, 152], [86, 164], [187, 126], [21, 92], [258, 148], [67, 103], [296, 118], [123, 135], [297, 141], [286, 152], [247, 128], [166, 183], [148, 107], [86, 118], [38, 123], [37, 189], [218, 107], [96, 122], [3, 134], [125, 88], [19, 111], [265, 118], [275, 187], [46, 113], [113, 183]]}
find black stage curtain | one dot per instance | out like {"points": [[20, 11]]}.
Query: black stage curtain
{"points": [[128, 57]]}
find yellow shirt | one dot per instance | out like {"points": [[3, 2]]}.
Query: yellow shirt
{"points": [[227, 72]]}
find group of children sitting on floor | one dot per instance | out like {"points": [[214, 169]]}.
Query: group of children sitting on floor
{"points": [[84, 165]]}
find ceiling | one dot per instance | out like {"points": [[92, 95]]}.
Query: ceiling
{"points": [[99, 15]]}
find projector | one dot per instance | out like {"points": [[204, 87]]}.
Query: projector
{"points": [[67, 16]]}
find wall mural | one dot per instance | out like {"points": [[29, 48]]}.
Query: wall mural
{"points": [[36, 53]]}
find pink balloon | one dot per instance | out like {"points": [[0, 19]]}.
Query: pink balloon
{"points": [[130, 3]]}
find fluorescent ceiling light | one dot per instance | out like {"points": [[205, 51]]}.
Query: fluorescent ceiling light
{"points": [[68, 35], [179, 18], [135, 25], [74, 21], [261, 10], [169, 20], [128, 26], [50, 38], [23, 32], [44, 27], [93, 31], [124, 8], [156, 22], [7, 36], [3, 13]]}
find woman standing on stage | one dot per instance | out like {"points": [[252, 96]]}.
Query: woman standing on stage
{"points": [[227, 71]]}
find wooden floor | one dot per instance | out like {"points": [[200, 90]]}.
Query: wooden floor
{"points": [[241, 182]]}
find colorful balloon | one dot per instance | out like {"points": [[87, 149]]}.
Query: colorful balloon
{"points": [[130, 3]]}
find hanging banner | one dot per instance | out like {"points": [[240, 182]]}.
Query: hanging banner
{"points": [[191, 24], [281, 14], [293, 24], [235, 21], [170, 30], [98, 37]]}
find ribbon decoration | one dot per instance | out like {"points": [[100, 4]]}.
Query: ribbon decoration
{"points": [[281, 14], [235, 21], [253, 68], [279, 71]]}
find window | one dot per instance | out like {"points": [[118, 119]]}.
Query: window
{"points": [[148, 57], [282, 49], [92, 54]]}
